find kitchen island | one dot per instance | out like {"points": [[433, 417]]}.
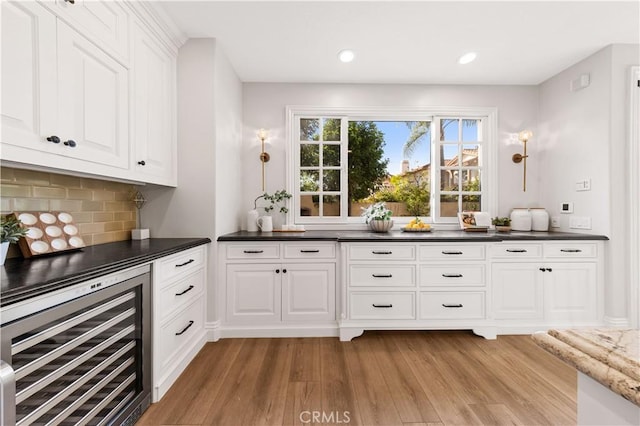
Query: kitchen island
{"points": [[608, 364]]}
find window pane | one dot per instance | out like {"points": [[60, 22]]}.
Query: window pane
{"points": [[449, 205], [449, 129], [331, 129], [309, 180], [331, 180], [471, 203], [470, 130], [470, 155], [449, 155], [331, 155], [309, 205], [331, 205], [471, 180], [449, 180], [309, 129], [309, 155]]}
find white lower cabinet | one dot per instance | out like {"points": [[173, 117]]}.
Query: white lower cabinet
{"points": [[272, 289], [544, 285], [179, 312], [415, 286]]}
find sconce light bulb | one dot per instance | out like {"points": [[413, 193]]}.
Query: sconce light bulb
{"points": [[262, 134], [525, 135]]}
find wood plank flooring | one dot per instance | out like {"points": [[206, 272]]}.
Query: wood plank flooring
{"points": [[380, 378]]}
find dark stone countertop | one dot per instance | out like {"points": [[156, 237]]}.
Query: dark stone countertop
{"points": [[26, 278], [399, 236]]}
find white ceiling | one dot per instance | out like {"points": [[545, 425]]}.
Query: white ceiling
{"points": [[407, 42]]}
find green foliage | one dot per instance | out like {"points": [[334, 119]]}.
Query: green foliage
{"points": [[415, 196], [274, 200], [377, 211], [12, 230], [367, 167], [501, 221]]}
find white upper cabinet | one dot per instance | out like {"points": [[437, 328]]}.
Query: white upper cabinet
{"points": [[92, 102], [106, 23], [29, 76], [153, 111], [88, 87]]}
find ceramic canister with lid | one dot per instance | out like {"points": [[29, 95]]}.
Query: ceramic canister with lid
{"points": [[539, 219], [520, 219]]}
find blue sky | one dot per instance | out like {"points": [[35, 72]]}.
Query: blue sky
{"points": [[396, 134]]}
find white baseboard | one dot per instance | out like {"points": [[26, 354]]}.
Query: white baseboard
{"points": [[279, 331], [616, 322], [213, 331]]}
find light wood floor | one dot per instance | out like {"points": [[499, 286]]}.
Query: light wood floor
{"points": [[380, 378]]}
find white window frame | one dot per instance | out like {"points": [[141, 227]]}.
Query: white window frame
{"points": [[489, 160]]}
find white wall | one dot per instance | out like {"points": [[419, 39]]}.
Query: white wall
{"points": [[584, 134], [206, 201], [264, 107]]}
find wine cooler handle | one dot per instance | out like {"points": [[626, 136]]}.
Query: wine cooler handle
{"points": [[8, 394]]}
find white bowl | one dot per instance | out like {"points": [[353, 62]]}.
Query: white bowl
{"points": [[59, 244], [39, 247], [34, 233], [70, 229], [76, 242], [47, 218], [65, 217], [53, 231], [28, 219]]}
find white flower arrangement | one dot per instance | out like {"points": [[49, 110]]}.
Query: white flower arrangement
{"points": [[377, 211]]}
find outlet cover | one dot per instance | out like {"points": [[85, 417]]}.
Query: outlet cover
{"points": [[555, 221]]}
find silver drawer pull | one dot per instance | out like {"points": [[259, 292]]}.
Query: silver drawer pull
{"points": [[185, 329], [516, 250], [381, 252], [451, 252], [381, 275], [185, 263], [310, 251], [571, 250], [457, 305], [383, 306], [253, 251], [185, 291], [452, 275]]}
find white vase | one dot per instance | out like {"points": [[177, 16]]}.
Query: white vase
{"points": [[380, 225], [4, 247]]}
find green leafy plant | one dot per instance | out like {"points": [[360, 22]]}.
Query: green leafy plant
{"points": [[501, 221], [377, 211], [12, 230], [275, 200]]}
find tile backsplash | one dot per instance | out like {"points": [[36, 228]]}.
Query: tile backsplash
{"points": [[102, 210]]}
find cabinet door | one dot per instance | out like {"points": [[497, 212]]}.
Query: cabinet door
{"points": [[92, 101], [570, 292], [106, 23], [308, 292], [153, 106], [517, 291], [253, 293], [28, 79]]}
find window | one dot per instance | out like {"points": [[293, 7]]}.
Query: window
{"points": [[420, 162]]}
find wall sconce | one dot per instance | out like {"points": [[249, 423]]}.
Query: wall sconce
{"points": [[524, 136], [264, 157]]}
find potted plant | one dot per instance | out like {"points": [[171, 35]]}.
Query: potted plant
{"points": [[378, 217], [12, 231], [502, 224], [277, 200]]}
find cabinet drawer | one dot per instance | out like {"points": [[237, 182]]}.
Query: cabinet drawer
{"points": [[382, 252], [382, 305], [516, 251], [570, 250], [462, 275], [181, 263], [451, 252], [175, 296], [174, 335], [451, 305], [254, 251], [310, 251], [383, 275]]}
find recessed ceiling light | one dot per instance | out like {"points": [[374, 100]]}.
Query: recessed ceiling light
{"points": [[467, 57], [346, 55]]}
